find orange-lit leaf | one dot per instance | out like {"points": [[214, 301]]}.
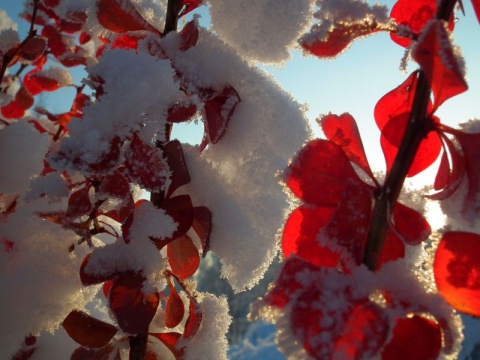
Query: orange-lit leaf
{"points": [[319, 166], [174, 310], [133, 309], [88, 331], [415, 338], [183, 256], [457, 271], [435, 55]]}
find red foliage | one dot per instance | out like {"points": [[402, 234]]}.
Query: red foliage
{"points": [[414, 338], [183, 256], [131, 306], [436, 56], [174, 310], [457, 271], [88, 331]]}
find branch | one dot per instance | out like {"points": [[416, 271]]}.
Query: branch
{"points": [[418, 127]]}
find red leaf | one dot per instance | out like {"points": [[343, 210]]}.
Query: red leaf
{"points": [[145, 165], [24, 99], [288, 283], [79, 102], [36, 82], [397, 101], [189, 5], [202, 225], [174, 310], [51, 3], [470, 144], [188, 36], [121, 16], [476, 8], [364, 333], [320, 165], [457, 271], [12, 110], [393, 249], [133, 309], [105, 353], [413, 15], [170, 340], [343, 131], [194, 319], [410, 225], [415, 338], [349, 224], [435, 55], [339, 38], [79, 203], [114, 185], [217, 112], [176, 163], [183, 257], [88, 331], [300, 236], [126, 41], [55, 40], [181, 210], [181, 111], [392, 135], [33, 48]]}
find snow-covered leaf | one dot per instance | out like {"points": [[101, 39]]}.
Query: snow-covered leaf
{"points": [[88, 331]]}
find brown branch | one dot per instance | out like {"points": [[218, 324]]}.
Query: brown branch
{"points": [[418, 127]]}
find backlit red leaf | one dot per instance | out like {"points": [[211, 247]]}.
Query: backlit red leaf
{"points": [[55, 40], [396, 102], [320, 172], [88, 331], [33, 48], [470, 144], [176, 163], [414, 338], [349, 224], [457, 271], [133, 309], [12, 110], [24, 99], [170, 340], [145, 165], [410, 225], [202, 225], [121, 16], [194, 319], [339, 38], [36, 82], [79, 203], [217, 112], [435, 54], [392, 135], [300, 236], [393, 249], [476, 8], [364, 333], [188, 36], [343, 131], [181, 111], [183, 256], [174, 310], [114, 185]]}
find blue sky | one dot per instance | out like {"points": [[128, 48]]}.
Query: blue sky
{"points": [[353, 82]]}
